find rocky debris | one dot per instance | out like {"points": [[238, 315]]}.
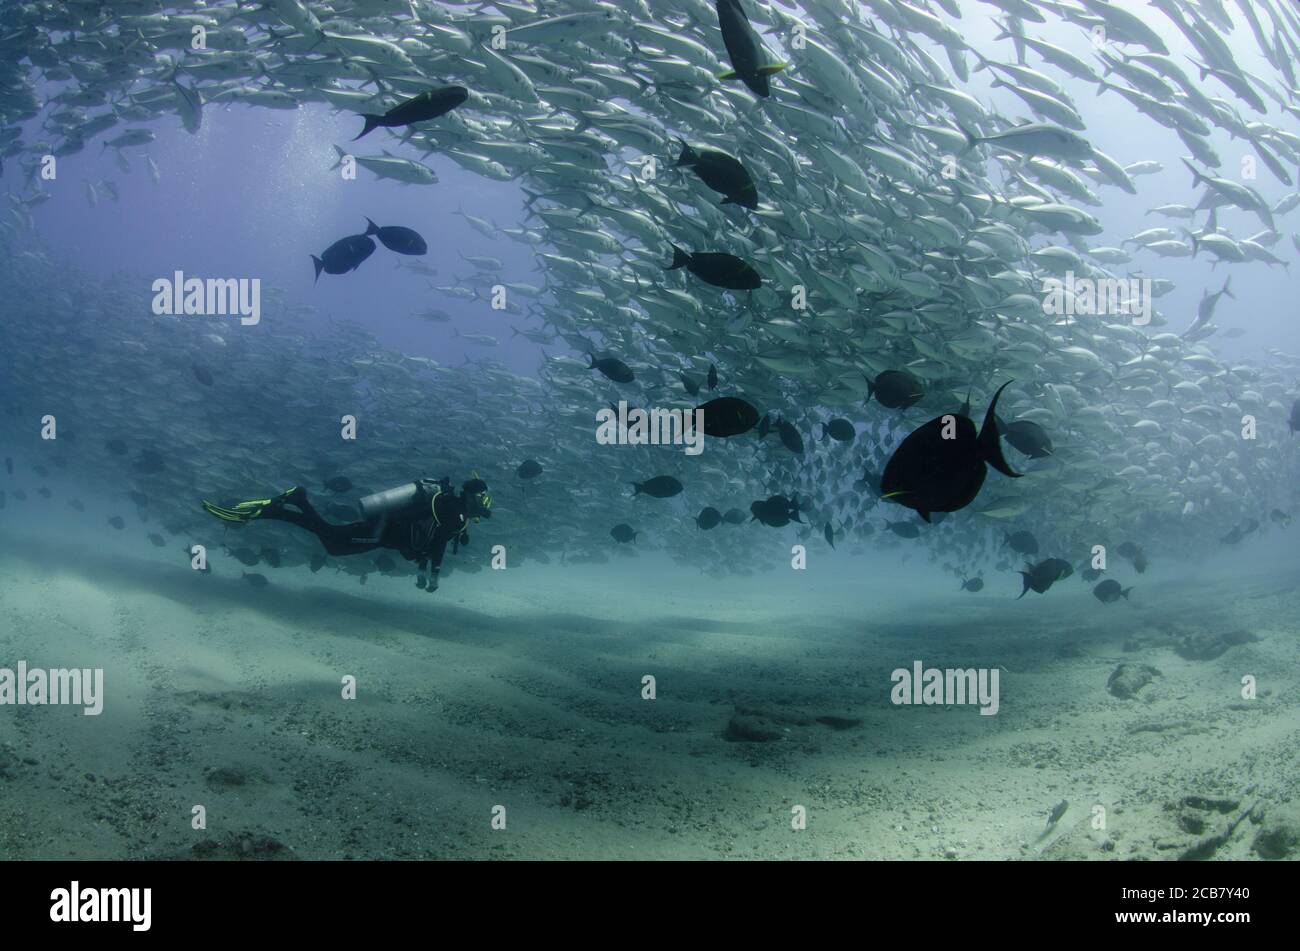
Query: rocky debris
{"points": [[1279, 833], [1207, 646], [1198, 814], [1127, 679]]}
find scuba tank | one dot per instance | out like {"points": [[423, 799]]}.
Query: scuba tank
{"points": [[410, 498]]}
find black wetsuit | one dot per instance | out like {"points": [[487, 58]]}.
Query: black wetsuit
{"points": [[422, 539]]}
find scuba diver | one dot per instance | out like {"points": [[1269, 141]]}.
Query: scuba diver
{"points": [[416, 519]]}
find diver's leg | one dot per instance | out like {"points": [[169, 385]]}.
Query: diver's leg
{"points": [[353, 538]]}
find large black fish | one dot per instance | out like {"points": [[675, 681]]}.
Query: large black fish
{"points": [[721, 172], [708, 518], [728, 416], [717, 268], [776, 511], [426, 106], [344, 255], [790, 437], [612, 368], [941, 466], [749, 60], [841, 430], [895, 389], [660, 487], [396, 238], [1110, 591], [1043, 575]]}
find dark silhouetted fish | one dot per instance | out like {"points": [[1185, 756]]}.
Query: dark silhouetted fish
{"points": [[728, 416], [344, 255], [1043, 575], [202, 374], [734, 516], [721, 172], [775, 511], [529, 469], [717, 268], [790, 437], [254, 579], [660, 487], [749, 60], [612, 368], [396, 238], [895, 389], [841, 430], [941, 466], [708, 518], [623, 533], [428, 105], [973, 584], [339, 484], [1023, 543], [1109, 591]]}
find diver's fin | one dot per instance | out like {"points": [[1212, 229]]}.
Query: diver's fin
{"points": [[771, 69]]}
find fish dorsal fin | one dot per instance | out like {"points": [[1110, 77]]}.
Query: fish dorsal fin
{"points": [[990, 441]]}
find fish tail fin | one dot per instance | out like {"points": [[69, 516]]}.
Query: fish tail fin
{"points": [[1226, 284], [320, 266], [371, 227], [636, 488], [371, 123], [687, 157], [339, 161], [990, 442], [1197, 177], [1124, 592], [972, 139], [1025, 589], [680, 259]]}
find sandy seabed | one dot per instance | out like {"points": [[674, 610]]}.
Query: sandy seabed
{"points": [[523, 689]]}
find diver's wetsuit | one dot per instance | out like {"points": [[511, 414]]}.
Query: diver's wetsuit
{"points": [[419, 539]]}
